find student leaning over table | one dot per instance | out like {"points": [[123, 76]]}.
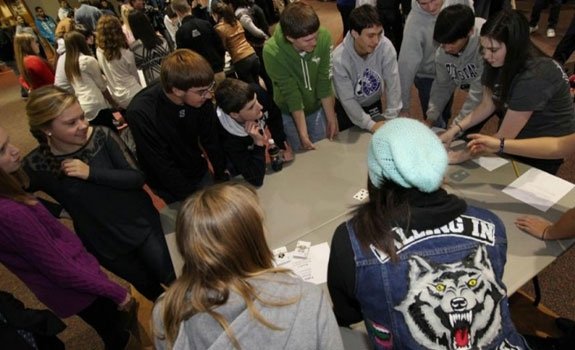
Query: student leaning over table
{"points": [[90, 172], [297, 59], [230, 295], [419, 266], [531, 90], [365, 72], [51, 260], [417, 54], [244, 110], [543, 148], [458, 62]]}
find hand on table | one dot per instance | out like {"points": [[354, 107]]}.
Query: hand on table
{"points": [[457, 157], [483, 144], [75, 168], [376, 126], [332, 128], [306, 144], [447, 137], [534, 225]]}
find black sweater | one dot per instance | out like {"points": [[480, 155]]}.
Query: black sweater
{"points": [[168, 138]]}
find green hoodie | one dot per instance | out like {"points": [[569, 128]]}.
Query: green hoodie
{"points": [[299, 82]]}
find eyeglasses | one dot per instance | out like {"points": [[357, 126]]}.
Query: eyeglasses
{"points": [[203, 93]]}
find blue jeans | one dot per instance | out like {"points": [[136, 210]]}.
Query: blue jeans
{"points": [[316, 128]]}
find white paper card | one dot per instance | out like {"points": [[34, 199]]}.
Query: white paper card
{"points": [[538, 189], [314, 268], [490, 163]]}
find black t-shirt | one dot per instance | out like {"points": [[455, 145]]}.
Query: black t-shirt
{"points": [[543, 88]]}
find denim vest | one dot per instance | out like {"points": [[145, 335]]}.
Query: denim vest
{"points": [[445, 292]]}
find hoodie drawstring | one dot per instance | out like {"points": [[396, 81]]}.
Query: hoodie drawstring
{"points": [[305, 72]]}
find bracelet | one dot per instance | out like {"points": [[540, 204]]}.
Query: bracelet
{"points": [[501, 145], [545, 232], [456, 123]]}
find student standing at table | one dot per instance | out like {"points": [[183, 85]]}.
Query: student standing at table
{"points": [[458, 62], [230, 295], [90, 172], [417, 54], [50, 259], [419, 266], [297, 59], [173, 122], [243, 111], [365, 73], [530, 89]]}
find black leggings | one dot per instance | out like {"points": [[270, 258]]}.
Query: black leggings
{"points": [[147, 267], [104, 317]]}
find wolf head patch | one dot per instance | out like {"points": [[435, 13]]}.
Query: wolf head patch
{"points": [[453, 306]]}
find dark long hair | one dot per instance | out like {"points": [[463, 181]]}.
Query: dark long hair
{"points": [[387, 208], [76, 45], [511, 28], [143, 30], [225, 12]]}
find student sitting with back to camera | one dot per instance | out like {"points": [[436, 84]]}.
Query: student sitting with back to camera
{"points": [[244, 110]]}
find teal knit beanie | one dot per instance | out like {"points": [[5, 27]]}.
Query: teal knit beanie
{"points": [[408, 153]]}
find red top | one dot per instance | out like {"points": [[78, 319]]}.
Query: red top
{"points": [[40, 72]]}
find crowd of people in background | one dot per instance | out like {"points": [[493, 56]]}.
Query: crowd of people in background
{"points": [[184, 95]]}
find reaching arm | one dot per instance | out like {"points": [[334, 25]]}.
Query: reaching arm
{"points": [[328, 105], [441, 90], [546, 230], [512, 123], [541, 147], [485, 108], [393, 104], [249, 25], [301, 126]]}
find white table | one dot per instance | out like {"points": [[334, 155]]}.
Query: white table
{"points": [[309, 198]]}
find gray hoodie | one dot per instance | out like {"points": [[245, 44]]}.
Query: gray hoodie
{"points": [[360, 82], [307, 324], [417, 53], [452, 72]]}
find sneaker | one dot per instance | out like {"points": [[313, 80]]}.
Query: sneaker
{"points": [[550, 33], [533, 29]]}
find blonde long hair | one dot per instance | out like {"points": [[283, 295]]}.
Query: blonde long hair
{"points": [[22, 48], [220, 235], [44, 105]]}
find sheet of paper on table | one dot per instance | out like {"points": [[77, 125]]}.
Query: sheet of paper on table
{"points": [[313, 269], [490, 163], [538, 189]]}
